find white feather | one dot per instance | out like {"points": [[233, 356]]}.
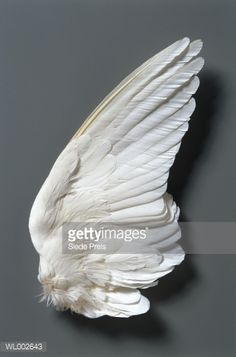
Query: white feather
{"points": [[115, 169]]}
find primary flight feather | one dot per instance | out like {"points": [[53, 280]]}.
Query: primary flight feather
{"points": [[115, 169]]}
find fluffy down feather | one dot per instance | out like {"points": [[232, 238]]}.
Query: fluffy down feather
{"points": [[115, 169]]}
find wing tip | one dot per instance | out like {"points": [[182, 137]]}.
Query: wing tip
{"points": [[197, 45], [185, 40], [183, 43], [197, 64], [200, 61]]}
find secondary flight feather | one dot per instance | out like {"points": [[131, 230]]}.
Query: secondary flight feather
{"points": [[115, 169]]}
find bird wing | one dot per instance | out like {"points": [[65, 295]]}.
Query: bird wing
{"points": [[115, 168]]}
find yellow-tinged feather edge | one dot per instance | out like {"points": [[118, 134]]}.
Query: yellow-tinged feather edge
{"points": [[101, 106]]}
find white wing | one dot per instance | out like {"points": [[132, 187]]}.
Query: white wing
{"points": [[115, 169]]}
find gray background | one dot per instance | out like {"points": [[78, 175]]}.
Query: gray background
{"points": [[57, 61]]}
